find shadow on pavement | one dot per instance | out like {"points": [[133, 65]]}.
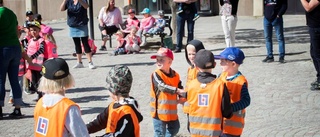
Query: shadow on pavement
{"points": [[92, 110], [292, 35], [6, 117], [132, 64], [86, 99], [85, 89]]}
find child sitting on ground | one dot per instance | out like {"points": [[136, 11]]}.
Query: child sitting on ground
{"points": [[159, 25], [120, 49], [132, 42], [122, 117]]}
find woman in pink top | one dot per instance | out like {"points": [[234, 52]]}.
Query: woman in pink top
{"points": [[146, 23], [109, 20]]}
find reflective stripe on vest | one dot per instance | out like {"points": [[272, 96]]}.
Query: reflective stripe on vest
{"points": [[192, 74], [234, 125], [165, 104], [114, 116], [50, 121], [205, 114]]}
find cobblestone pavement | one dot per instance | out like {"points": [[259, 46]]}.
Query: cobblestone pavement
{"points": [[282, 103]]}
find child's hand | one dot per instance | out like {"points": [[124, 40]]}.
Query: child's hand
{"points": [[181, 92]]}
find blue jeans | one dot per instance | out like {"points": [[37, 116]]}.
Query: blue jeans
{"points": [[9, 63], [315, 49], [165, 129], [181, 19], [277, 23]]}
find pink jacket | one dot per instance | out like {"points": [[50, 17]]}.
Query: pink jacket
{"points": [[147, 23]]}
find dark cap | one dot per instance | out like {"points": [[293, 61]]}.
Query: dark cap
{"points": [[29, 12], [119, 80], [131, 11], [233, 54], [204, 59], [52, 66], [37, 17]]}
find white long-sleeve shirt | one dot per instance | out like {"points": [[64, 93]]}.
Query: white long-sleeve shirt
{"points": [[111, 18]]}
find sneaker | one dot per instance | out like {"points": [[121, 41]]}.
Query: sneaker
{"points": [[179, 11], [28, 91], [315, 87], [315, 83], [103, 48], [78, 65], [196, 16], [16, 113], [281, 60], [10, 100], [268, 59], [91, 66]]}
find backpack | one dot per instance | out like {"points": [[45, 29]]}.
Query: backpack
{"points": [[92, 46], [50, 50]]}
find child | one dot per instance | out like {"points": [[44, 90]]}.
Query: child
{"points": [[120, 49], [208, 98], [54, 114], [132, 42], [122, 117], [29, 18], [35, 50], [190, 52], [159, 26], [193, 8], [231, 59], [165, 87], [146, 24], [132, 20]]}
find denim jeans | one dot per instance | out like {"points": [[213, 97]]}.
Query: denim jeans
{"points": [[20, 79], [165, 129], [315, 49], [277, 23], [9, 63], [181, 19]]}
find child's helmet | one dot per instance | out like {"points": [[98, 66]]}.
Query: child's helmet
{"points": [[161, 12], [34, 24], [119, 80]]}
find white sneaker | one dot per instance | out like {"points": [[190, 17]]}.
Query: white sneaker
{"points": [[91, 66], [78, 65]]}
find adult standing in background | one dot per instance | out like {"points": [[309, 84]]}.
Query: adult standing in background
{"points": [[10, 55], [186, 15], [109, 19], [313, 21], [78, 25], [229, 19], [273, 11]]}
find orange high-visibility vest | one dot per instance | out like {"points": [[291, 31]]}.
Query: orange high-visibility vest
{"points": [[192, 74], [234, 125], [49, 121], [116, 114], [205, 114], [33, 47], [165, 104]]}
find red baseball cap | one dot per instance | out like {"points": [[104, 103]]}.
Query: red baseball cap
{"points": [[163, 52]]}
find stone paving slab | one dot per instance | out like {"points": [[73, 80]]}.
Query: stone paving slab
{"points": [[282, 103]]}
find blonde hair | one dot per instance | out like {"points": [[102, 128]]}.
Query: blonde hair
{"points": [[56, 86], [107, 7]]}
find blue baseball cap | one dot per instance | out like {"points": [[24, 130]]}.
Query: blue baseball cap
{"points": [[146, 11], [233, 54]]}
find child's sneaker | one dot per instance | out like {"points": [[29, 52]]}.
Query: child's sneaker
{"points": [[179, 11], [91, 66], [16, 113], [78, 65], [196, 16]]}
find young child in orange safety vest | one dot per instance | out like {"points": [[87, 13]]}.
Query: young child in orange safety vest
{"points": [[191, 49], [230, 60], [208, 99], [164, 91], [55, 115], [122, 116]]}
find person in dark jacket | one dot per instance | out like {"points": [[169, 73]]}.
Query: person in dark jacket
{"points": [[122, 116], [273, 12], [313, 21]]}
